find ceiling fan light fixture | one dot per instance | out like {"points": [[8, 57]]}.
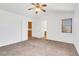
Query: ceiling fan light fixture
{"points": [[38, 7]]}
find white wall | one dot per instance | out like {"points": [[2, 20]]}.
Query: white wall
{"points": [[76, 27], [38, 21], [10, 28], [54, 27]]}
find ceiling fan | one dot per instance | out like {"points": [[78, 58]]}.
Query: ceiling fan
{"points": [[38, 7]]}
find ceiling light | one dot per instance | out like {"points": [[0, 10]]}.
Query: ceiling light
{"points": [[38, 7]]}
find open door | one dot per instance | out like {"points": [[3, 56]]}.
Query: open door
{"points": [[29, 29]]}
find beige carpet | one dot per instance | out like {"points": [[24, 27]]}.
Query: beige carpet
{"points": [[39, 47]]}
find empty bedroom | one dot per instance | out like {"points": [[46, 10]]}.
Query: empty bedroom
{"points": [[39, 29]]}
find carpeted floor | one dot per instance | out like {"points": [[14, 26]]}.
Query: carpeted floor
{"points": [[39, 47]]}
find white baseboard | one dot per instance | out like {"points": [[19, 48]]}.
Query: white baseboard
{"points": [[9, 43]]}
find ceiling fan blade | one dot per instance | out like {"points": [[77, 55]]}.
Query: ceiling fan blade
{"points": [[30, 8], [44, 5], [37, 3], [33, 3], [43, 10], [36, 12]]}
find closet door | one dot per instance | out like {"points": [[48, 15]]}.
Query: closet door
{"points": [[29, 29]]}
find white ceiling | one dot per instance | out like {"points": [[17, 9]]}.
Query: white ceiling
{"points": [[21, 8]]}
